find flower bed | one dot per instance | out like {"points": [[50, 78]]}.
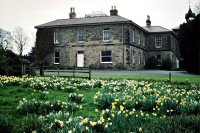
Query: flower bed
{"points": [[121, 105]]}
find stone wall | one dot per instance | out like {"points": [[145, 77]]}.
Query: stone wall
{"points": [[166, 57], [126, 53], [122, 55], [150, 41]]}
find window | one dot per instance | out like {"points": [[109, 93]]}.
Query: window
{"points": [[133, 35], [106, 57], [159, 60], [106, 35], [56, 37], [139, 39], [133, 60], [56, 57], [139, 59], [143, 42], [81, 36], [158, 42]]}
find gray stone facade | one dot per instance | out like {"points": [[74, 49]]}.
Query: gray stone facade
{"points": [[128, 46]]}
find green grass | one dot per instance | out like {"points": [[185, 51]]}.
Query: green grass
{"points": [[191, 79], [175, 78], [88, 104], [11, 95]]}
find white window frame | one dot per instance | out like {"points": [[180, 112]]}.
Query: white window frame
{"points": [[133, 60], [101, 56], [158, 42], [106, 35], [55, 57], [139, 38], [139, 59], [81, 36], [56, 37], [143, 43], [133, 35]]}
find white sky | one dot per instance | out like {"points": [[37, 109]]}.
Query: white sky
{"points": [[29, 13]]}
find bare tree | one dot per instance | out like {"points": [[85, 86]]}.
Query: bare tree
{"points": [[197, 8], [21, 39], [5, 39]]}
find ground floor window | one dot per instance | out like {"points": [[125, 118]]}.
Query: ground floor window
{"points": [[139, 59], [159, 60], [106, 56], [56, 57]]}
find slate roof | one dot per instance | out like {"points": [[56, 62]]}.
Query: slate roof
{"points": [[83, 21], [155, 29]]}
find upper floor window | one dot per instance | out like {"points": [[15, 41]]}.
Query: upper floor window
{"points": [[56, 36], [133, 35], [56, 56], [158, 42], [143, 42], [81, 36], [106, 35], [139, 39], [106, 56]]}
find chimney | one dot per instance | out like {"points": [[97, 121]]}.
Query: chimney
{"points": [[72, 13], [113, 11], [148, 21]]}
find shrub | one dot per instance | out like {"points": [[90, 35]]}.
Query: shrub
{"points": [[72, 107], [6, 124], [51, 123], [77, 98], [40, 107], [30, 123]]}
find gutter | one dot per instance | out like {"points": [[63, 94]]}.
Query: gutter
{"points": [[123, 43]]}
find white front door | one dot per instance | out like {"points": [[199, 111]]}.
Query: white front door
{"points": [[80, 59]]}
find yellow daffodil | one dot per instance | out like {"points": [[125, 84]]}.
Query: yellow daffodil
{"points": [[121, 107], [85, 120], [113, 115]]}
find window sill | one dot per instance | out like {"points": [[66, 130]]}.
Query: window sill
{"points": [[81, 42], [106, 41], [56, 63], [158, 47], [56, 43], [106, 62]]}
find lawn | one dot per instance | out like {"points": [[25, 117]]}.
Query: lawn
{"points": [[57, 104], [190, 79]]}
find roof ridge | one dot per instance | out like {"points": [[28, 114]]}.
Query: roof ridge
{"points": [[84, 20]]}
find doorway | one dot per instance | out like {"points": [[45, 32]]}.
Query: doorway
{"points": [[80, 59]]}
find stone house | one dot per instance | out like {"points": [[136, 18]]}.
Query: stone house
{"points": [[102, 41], [161, 47]]}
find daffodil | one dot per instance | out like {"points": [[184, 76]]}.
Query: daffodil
{"points": [[85, 120], [93, 123], [121, 107], [113, 115], [140, 129]]}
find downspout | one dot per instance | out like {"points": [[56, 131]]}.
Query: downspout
{"points": [[123, 43]]}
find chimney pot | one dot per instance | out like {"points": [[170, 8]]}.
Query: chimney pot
{"points": [[148, 21], [72, 13], [113, 11]]}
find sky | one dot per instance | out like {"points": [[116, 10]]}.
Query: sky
{"points": [[30, 13]]}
